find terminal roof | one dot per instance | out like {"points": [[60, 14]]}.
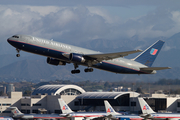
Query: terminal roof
{"points": [[55, 89], [104, 95]]}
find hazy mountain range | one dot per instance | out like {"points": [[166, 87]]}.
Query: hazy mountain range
{"points": [[34, 68]]}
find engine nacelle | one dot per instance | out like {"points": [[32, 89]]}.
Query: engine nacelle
{"points": [[74, 57], [55, 61]]}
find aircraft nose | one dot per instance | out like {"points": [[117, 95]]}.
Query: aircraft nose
{"points": [[8, 40], [13, 38]]}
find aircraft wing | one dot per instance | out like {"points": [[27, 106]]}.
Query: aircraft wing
{"points": [[109, 56], [155, 68]]}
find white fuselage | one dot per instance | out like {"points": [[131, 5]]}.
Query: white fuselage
{"points": [[56, 50]]}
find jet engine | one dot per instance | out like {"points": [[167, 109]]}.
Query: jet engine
{"points": [[74, 57], [53, 61]]}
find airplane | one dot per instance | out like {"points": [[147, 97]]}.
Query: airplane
{"points": [[5, 118], [148, 113], [112, 114], [59, 54], [67, 112], [18, 115]]}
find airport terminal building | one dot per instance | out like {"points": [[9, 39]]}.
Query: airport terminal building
{"points": [[44, 99]]}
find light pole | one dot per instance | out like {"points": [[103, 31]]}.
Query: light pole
{"points": [[133, 96]]}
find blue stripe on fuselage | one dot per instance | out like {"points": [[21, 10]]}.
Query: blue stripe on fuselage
{"points": [[58, 55], [38, 50], [117, 68]]}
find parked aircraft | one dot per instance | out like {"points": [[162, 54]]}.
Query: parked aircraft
{"points": [[148, 113], [5, 118], [17, 114], [67, 112], [59, 54], [112, 114]]}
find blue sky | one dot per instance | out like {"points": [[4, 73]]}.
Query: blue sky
{"points": [[90, 19]]}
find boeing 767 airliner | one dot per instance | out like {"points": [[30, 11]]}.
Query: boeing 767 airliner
{"points": [[59, 54]]}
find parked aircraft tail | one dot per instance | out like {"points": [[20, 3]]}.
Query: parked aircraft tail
{"points": [[146, 109], [64, 107], [109, 108], [148, 56], [16, 112]]}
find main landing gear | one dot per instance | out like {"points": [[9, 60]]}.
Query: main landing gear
{"points": [[88, 70], [78, 71], [75, 70], [18, 50]]}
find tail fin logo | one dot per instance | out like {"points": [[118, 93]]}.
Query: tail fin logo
{"points": [[16, 111], [109, 110], [65, 107], [153, 51], [146, 107]]}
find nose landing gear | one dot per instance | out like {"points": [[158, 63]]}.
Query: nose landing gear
{"points": [[18, 50]]}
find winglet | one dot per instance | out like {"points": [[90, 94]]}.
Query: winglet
{"points": [[146, 109], [64, 107], [148, 56]]}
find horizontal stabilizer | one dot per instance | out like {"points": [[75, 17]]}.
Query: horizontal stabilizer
{"points": [[155, 68], [66, 115], [146, 116]]}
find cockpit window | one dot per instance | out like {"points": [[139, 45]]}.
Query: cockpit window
{"points": [[15, 36]]}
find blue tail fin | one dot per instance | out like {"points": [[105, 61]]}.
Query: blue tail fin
{"points": [[148, 56]]}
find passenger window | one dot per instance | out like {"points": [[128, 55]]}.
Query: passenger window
{"points": [[15, 36]]}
